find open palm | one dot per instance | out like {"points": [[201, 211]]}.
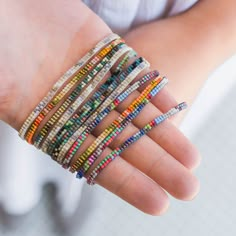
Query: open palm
{"points": [[35, 49]]}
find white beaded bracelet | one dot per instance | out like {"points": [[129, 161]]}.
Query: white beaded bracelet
{"points": [[62, 80]]}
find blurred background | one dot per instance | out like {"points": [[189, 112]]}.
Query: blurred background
{"points": [[211, 126]]}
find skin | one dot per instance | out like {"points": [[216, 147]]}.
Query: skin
{"points": [[40, 40], [188, 46]]}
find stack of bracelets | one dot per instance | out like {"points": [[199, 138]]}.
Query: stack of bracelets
{"points": [[82, 98]]}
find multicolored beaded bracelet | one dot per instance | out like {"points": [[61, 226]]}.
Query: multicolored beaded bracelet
{"points": [[74, 94], [124, 61], [86, 131], [62, 113], [115, 103], [95, 101], [110, 137], [85, 70], [63, 80], [134, 108], [112, 84], [81, 134], [89, 89], [72, 108], [116, 152]]}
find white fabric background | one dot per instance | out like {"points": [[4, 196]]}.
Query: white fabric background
{"points": [[23, 169]]}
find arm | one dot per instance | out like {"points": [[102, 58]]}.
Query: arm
{"points": [[189, 46]]}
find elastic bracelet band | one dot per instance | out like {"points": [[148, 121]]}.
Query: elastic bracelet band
{"points": [[76, 101], [82, 72], [63, 80], [160, 83], [88, 108], [116, 152], [126, 114], [81, 134]]}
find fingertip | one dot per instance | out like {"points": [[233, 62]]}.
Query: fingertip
{"points": [[193, 158], [187, 190], [159, 211], [194, 191], [154, 201], [195, 164]]}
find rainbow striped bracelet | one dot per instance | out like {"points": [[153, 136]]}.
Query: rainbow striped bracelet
{"points": [[135, 107], [115, 103], [56, 99], [92, 158], [73, 101], [77, 120], [81, 134], [88, 108], [63, 80], [116, 152]]}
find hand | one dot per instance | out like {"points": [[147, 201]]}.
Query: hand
{"points": [[41, 40]]}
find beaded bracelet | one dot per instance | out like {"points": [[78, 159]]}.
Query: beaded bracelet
{"points": [[136, 106], [108, 61], [110, 137], [62, 93], [72, 108], [110, 132], [104, 110], [97, 116], [89, 107], [114, 134], [74, 94], [63, 80], [32, 129], [115, 103], [124, 61], [116, 152], [96, 80], [99, 96]]}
